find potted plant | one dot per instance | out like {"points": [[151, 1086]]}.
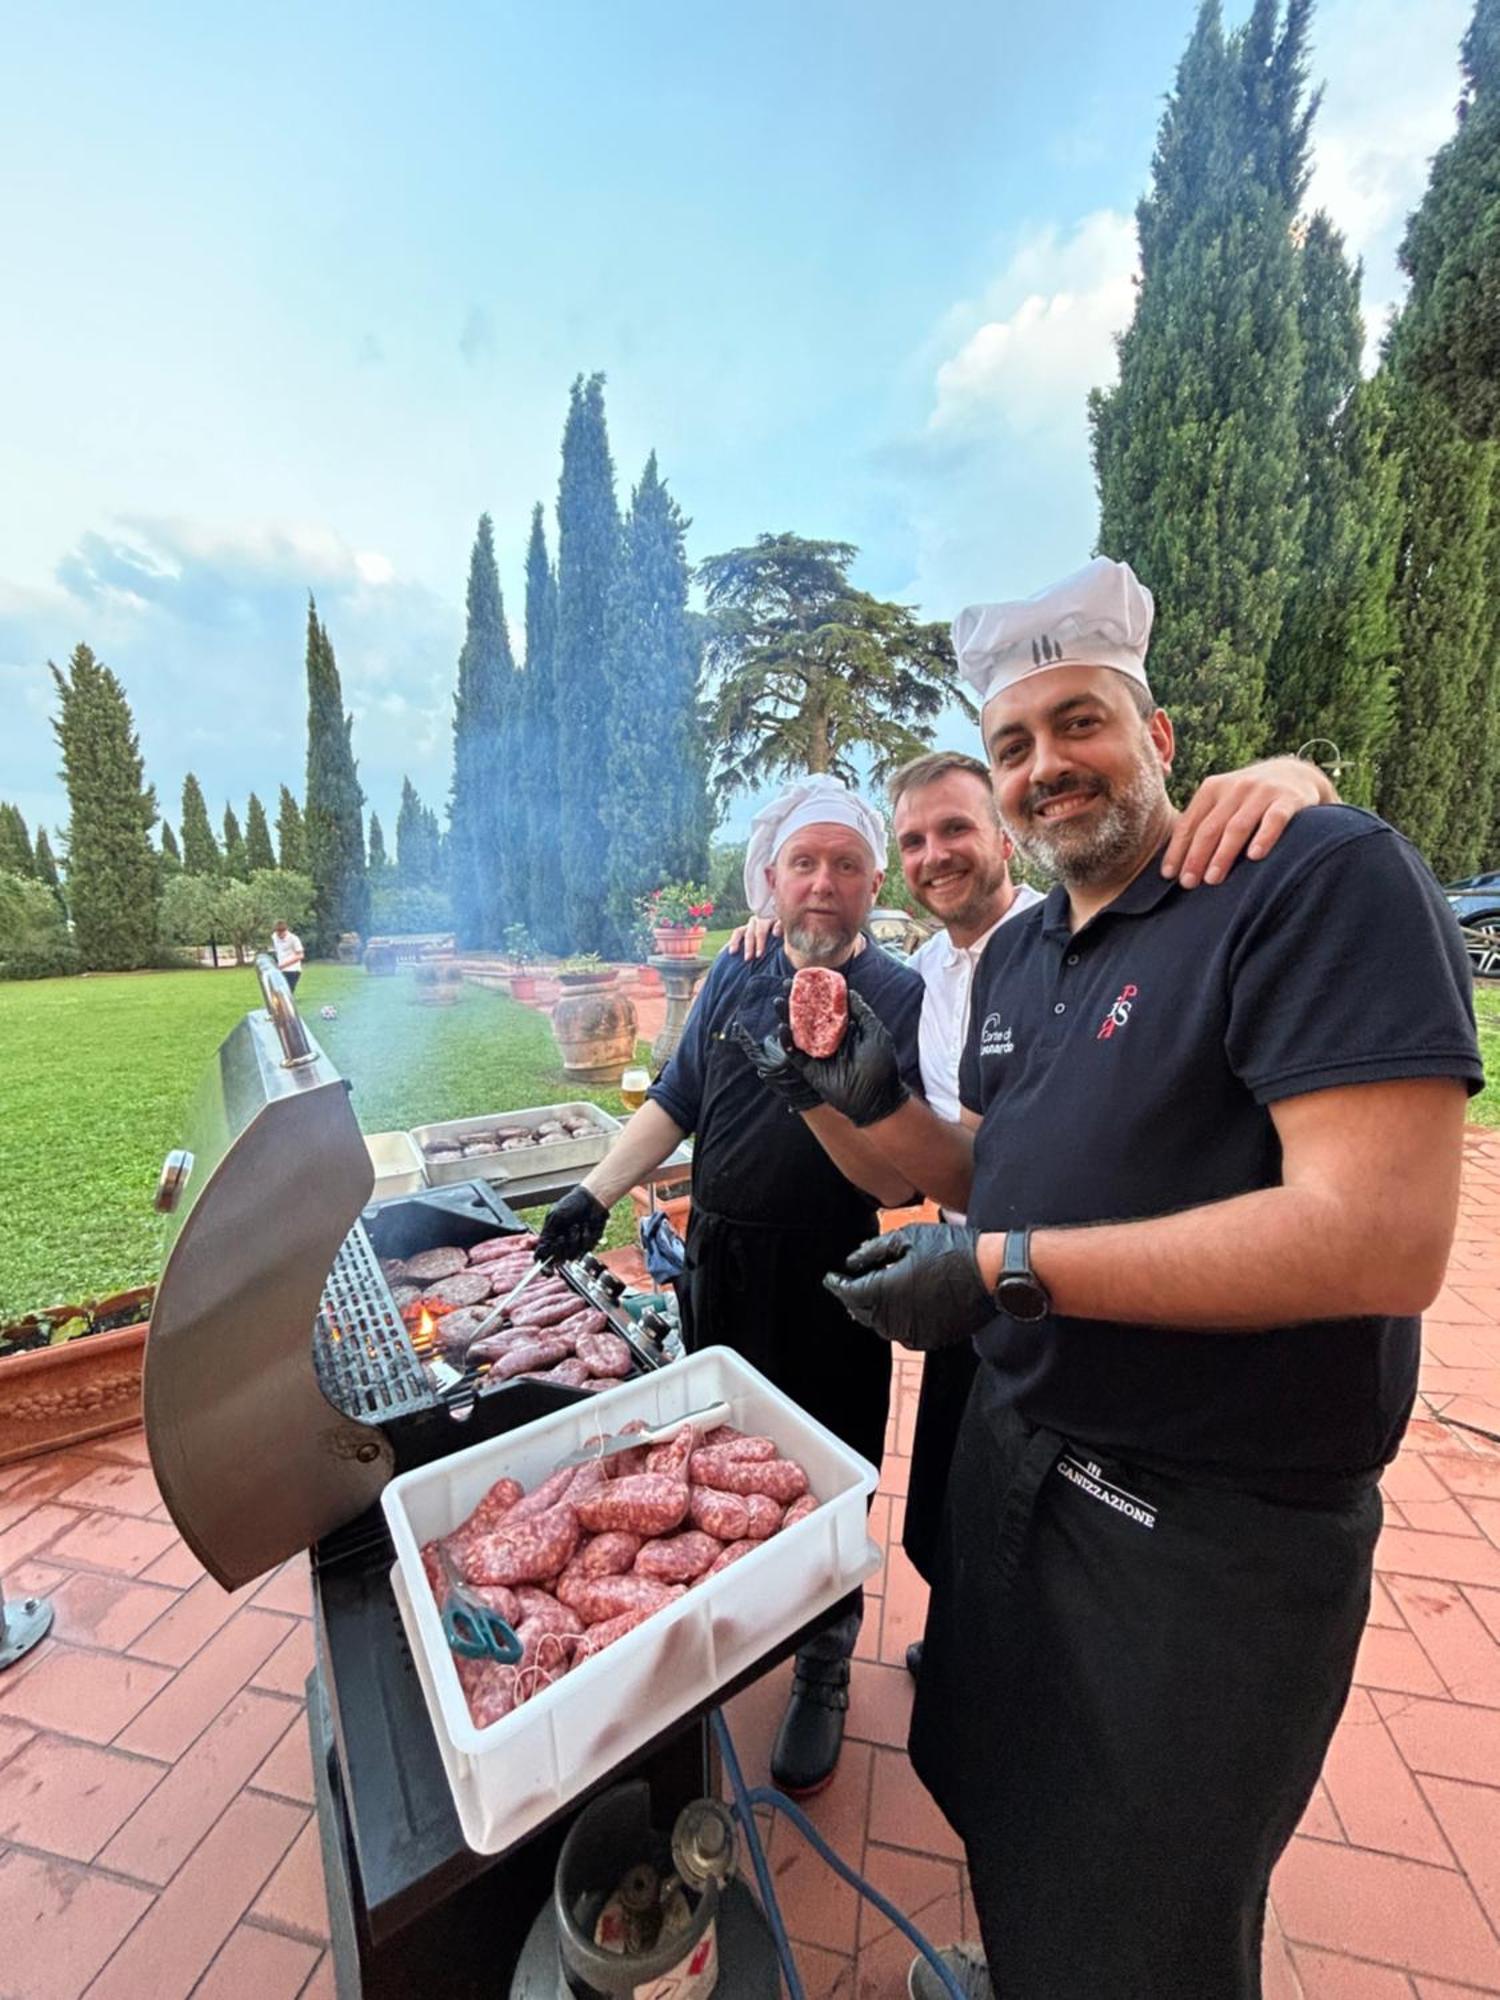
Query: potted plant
{"points": [[676, 915], [380, 958], [642, 944], [521, 951], [439, 981], [584, 971], [71, 1373], [594, 1023]]}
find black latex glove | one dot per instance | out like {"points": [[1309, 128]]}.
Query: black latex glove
{"points": [[773, 1065], [573, 1227], [919, 1286], [862, 1078]]}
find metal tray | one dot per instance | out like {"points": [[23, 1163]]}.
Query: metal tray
{"points": [[531, 1163]]}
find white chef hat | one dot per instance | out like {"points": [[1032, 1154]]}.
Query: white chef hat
{"points": [[815, 801], [1098, 617]]}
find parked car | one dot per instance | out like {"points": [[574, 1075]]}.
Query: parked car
{"points": [[1475, 901], [896, 930]]}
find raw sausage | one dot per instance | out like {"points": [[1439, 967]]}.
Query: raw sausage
{"points": [[599, 1636], [741, 1448], [551, 1490], [603, 1555], [599, 1598], [765, 1515], [671, 1456], [526, 1551], [678, 1558], [645, 1503], [502, 1246], [540, 1609], [725, 1516], [527, 1357], [818, 1010], [605, 1353], [782, 1478], [731, 1555], [799, 1510]]}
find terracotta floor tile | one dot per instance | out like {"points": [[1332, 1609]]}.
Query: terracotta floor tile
{"points": [[159, 1838], [880, 1701], [258, 1962], [902, 1813], [114, 1542], [924, 1888], [816, 1907], [1439, 1989], [294, 1899], [290, 1589], [183, 1710], [38, 1479], [1458, 1558], [1475, 1478], [1445, 1740], [1485, 1515], [881, 1968], [14, 1736], [1410, 1477], [894, 1475], [96, 1609], [1395, 1660], [1278, 1975], [92, 1695], [1383, 1608], [1440, 1517], [118, 1489], [1330, 1976], [178, 1567], [1451, 1309], [68, 1797], [1453, 1636], [35, 1531], [825, 1975], [288, 1770], [182, 1932], [123, 1447], [1378, 1906], [1486, 1606], [1470, 1815], [905, 1617], [320, 1986], [58, 1925], [1375, 1796], [755, 1716], [1321, 1821], [189, 1622], [287, 1669]]}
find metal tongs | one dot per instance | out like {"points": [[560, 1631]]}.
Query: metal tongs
{"points": [[606, 1447], [471, 1627], [493, 1319]]}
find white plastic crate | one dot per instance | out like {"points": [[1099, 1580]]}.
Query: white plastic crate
{"points": [[397, 1164], [507, 1779]]}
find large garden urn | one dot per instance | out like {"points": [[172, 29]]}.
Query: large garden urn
{"points": [[594, 1024]]}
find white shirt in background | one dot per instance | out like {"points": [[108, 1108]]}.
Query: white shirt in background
{"points": [[288, 949], [947, 971]]}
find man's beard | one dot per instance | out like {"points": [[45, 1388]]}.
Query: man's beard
{"points": [[1082, 856], [826, 943], [983, 886]]}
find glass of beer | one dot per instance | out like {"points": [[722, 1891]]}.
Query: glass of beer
{"points": [[634, 1084]]}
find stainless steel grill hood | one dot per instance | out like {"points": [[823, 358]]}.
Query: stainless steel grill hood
{"points": [[253, 1462]]}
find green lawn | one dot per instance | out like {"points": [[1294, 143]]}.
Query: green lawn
{"points": [[99, 1071]]}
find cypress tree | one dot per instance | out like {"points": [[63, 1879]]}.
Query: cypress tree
{"points": [[653, 811], [1331, 670], [289, 840], [380, 865], [46, 866], [259, 854], [332, 824], [200, 851], [171, 853], [236, 866], [537, 771], [588, 539], [1195, 448], [112, 878], [418, 842], [1451, 325], [16, 856], [481, 874]]}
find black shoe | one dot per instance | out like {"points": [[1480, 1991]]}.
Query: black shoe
{"points": [[914, 1658], [812, 1730]]}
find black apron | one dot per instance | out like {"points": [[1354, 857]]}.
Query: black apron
{"points": [[1127, 1690], [947, 1377]]}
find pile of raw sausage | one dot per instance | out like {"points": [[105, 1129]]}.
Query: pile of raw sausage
{"points": [[597, 1548], [512, 1138], [551, 1334]]}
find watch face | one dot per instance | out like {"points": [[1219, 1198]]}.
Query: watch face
{"points": [[1022, 1298]]}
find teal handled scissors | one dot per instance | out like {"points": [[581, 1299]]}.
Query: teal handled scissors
{"points": [[472, 1629]]}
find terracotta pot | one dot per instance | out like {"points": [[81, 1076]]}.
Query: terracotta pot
{"points": [[680, 942], [523, 987], [647, 979], [596, 1032], [59, 1396]]}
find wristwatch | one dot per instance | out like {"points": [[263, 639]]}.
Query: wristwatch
{"points": [[1019, 1292]]}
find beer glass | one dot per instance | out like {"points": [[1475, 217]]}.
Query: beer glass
{"points": [[633, 1086]]}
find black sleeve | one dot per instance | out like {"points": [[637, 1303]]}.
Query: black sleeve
{"points": [[906, 1034], [1353, 973], [968, 1062], [679, 1088]]}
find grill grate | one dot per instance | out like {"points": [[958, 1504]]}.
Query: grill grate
{"points": [[362, 1353]]}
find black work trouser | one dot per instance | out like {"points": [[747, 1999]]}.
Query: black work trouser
{"points": [[1128, 1687]]}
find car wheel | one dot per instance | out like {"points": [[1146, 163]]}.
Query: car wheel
{"points": [[1482, 942]]}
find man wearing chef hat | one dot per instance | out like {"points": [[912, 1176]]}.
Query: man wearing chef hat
{"points": [[770, 1209], [1209, 1155]]}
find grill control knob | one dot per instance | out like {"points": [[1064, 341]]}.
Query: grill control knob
{"points": [[174, 1178]]}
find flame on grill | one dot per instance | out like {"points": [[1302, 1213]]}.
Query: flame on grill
{"points": [[424, 1334]]}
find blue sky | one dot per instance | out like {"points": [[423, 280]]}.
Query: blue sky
{"points": [[291, 297]]}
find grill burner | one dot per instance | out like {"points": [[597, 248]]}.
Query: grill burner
{"points": [[363, 1355]]}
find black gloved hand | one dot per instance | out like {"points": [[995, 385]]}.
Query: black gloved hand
{"points": [[919, 1286], [572, 1227], [773, 1064], [862, 1078]]}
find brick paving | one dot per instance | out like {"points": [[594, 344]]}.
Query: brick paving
{"points": [[156, 1827]]}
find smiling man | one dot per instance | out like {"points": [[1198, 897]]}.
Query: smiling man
{"points": [[1209, 1154]]}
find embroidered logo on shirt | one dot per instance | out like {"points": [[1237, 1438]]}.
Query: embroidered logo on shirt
{"points": [[995, 1038], [1089, 1478], [1119, 1014]]}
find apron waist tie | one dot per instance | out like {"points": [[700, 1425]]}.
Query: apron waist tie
{"points": [[1041, 1452]]}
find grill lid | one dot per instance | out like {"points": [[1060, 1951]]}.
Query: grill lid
{"points": [[253, 1460]]}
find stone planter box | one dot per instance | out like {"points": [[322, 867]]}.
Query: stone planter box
{"points": [[57, 1396]]}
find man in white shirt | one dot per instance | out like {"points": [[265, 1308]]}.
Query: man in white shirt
{"points": [[288, 949]]}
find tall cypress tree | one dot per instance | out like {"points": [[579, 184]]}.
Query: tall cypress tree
{"points": [[333, 826], [588, 541], [259, 853], [537, 770], [200, 851], [419, 857], [46, 866], [380, 866], [112, 877], [482, 875], [653, 812], [1331, 670], [1195, 448], [171, 853], [16, 856], [289, 840], [236, 863]]}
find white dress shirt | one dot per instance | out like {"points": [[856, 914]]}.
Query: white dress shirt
{"points": [[947, 971]]}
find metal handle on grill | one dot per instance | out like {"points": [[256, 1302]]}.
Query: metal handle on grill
{"points": [[282, 1008]]}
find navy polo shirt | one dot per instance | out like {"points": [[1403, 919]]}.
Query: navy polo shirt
{"points": [[1127, 1070], [754, 1159]]}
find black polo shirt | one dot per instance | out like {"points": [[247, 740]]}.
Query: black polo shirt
{"points": [[754, 1159], [1127, 1070]]}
